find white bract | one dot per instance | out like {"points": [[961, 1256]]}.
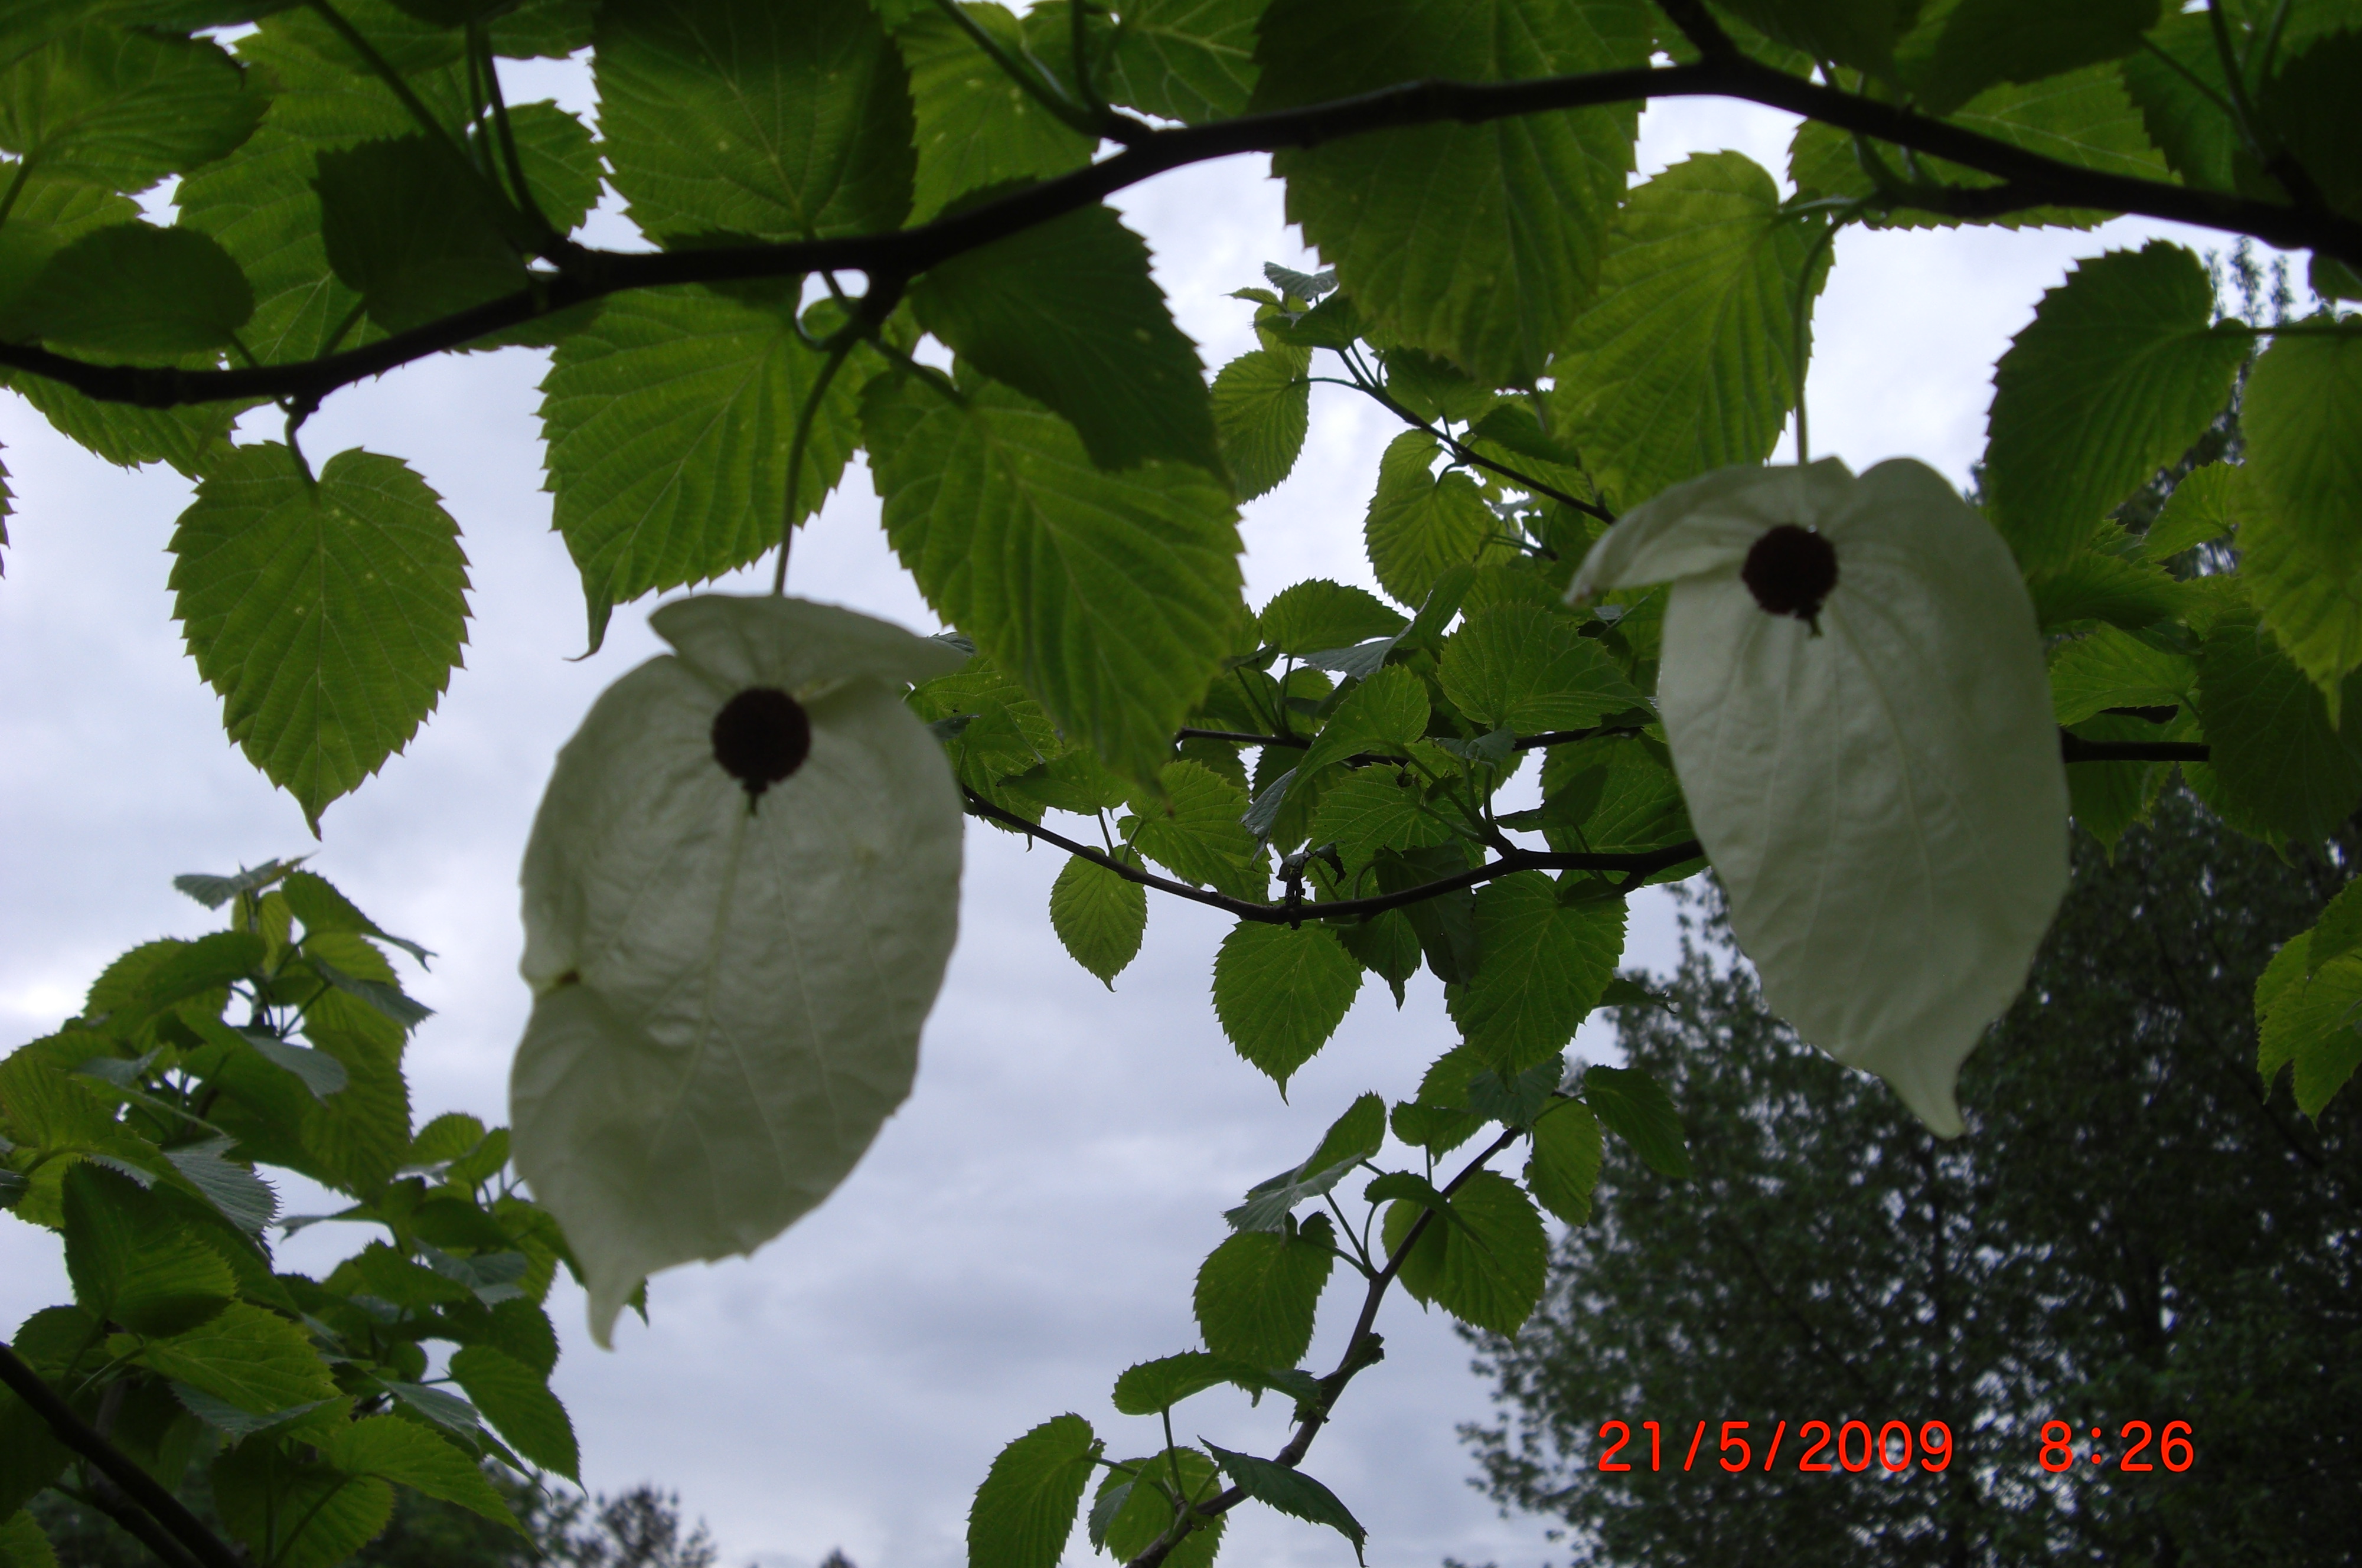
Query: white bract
{"points": [[1883, 798], [729, 977]]}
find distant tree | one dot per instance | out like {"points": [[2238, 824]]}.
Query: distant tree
{"points": [[2132, 1231]]}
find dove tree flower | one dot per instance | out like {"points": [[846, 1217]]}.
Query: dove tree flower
{"points": [[740, 893], [1852, 686]]}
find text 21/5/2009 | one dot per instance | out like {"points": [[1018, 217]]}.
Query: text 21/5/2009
{"points": [[1893, 1447]]}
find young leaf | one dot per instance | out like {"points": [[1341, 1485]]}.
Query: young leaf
{"points": [[1099, 917], [1110, 595], [2276, 749], [315, 901], [1884, 801], [747, 117], [330, 616], [1489, 1270], [1352, 1138], [1478, 243], [1420, 527], [1564, 1164], [1065, 311], [1687, 358], [1637, 1109], [669, 420], [665, 1107], [1142, 1507], [1263, 404], [411, 1455], [1257, 1293], [1292, 1493], [1159, 1385], [1025, 1509], [135, 292], [1522, 668], [2118, 374], [1315, 615], [410, 228], [976, 128], [516, 1398], [120, 109], [1281, 992], [1191, 60], [1545, 963]]}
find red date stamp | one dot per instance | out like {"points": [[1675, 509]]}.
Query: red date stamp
{"points": [[1893, 1448]]}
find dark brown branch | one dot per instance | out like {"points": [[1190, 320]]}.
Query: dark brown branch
{"points": [[77, 1434], [1241, 737], [2075, 748], [108, 1499], [1360, 1346], [586, 274], [1293, 912]]}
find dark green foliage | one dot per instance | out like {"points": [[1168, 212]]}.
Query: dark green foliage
{"points": [[2130, 1230]]}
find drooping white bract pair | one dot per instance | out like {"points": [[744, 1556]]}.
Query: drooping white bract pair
{"points": [[1852, 686], [740, 893]]}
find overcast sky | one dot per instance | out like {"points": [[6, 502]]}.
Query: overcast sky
{"points": [[1030, 1223]]}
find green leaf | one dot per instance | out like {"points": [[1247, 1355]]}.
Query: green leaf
{"points": [[2104, 584], [412, 229], [1257, 1293], [1065, 311], [2276, 750], [1281, 992], [745, 118], [1525, 668], [1159, 1385], [1195, 831], [1564, 1164], [1135, 1507], [1545, 964], [1385, 713], [2309, 1024], [2197, 513], [133, 1261], [1488, 1271], [2112, 670], [1185, 59], [1479, 243], [23, 1545], [2296, 498], [1099, 916], [1636, 1108], [1419, 526], [2083, 119], [135, 292], [1860, 33], [1352, 1139], [669, 419], [976, 128], [297, 1513], [315, 901], [263, 209], [515, 1398], [330, 616], [1263, 406], [1292, 1493], [256, 1359], [1615, 794], [356, 1139], [235, 1192], [1687, 357], [561, 161], [2106, 798], [1111, 596], [121, 109], [2309, 105], [1354, 1136], [411, 1455], [2117, 375], [2338, 932], [1025, 1509], [1959, 48], [1316, 615], [1374, 809]]}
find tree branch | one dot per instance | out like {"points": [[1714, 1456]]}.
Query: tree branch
{"points": [[1361, 1350], [1296, 912], [77, 1434], [586, 274], [2075, 748]]}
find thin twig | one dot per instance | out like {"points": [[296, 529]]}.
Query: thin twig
{"points": [[111, 1462]]}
